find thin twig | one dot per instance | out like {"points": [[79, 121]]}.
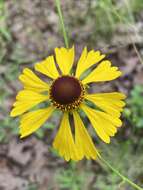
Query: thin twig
{"points": [[58, 4]]}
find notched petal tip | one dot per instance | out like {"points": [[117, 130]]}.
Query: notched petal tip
{"points": [[85, 49], [123, 97], [73, 47], [22, 136], [120, 73], [107, 141], [26, 70], [12, 113], [64, 48]]}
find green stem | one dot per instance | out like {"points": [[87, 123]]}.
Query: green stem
{"points": [[125, 179], [58, 4]]}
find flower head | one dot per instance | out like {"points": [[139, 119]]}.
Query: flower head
{"points": [[68, 92]]}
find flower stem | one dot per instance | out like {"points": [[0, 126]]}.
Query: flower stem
{"points": [[58, 4], [125, 179]]}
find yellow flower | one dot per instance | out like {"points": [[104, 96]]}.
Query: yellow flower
{"points": [[68, 92]]}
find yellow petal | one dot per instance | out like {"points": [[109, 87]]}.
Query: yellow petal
{"points": [[109, 102], [103, 72], [27, 99], [65, 59], [83, 141], [104, 124], [32, 82], [48, 67], [32, 121], [64, 142], [87, 60], [109, 128]]}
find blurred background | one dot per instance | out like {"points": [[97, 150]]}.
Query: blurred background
{"points": [[29, 32]]}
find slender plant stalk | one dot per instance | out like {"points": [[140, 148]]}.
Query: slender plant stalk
{"points": [[137, 52], [129, 9], [125, 179], [58, 4], [129, 37]]}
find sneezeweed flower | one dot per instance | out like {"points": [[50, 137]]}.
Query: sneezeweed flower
{"points": [[68, 92]]}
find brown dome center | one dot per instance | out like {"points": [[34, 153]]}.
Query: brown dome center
{"points": [[65, 90]]}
